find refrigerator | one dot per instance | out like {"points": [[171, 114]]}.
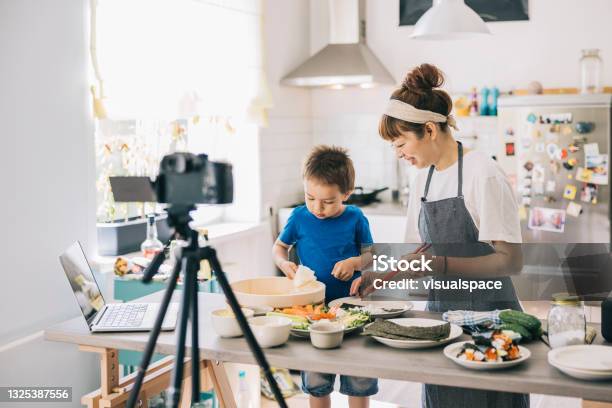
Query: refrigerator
{"points": [[555, 151]]}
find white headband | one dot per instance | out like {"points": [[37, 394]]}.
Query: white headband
{"points": [[404, 111]]}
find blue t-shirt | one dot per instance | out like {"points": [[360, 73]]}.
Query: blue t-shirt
{"points": [[323, 242]]}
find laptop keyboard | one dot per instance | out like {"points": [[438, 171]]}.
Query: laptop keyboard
{"points": [[124, 315]]}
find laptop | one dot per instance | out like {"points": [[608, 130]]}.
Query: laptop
{"points": [[108, 317]]}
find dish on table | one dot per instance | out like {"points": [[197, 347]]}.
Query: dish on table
{"points": [[465, 353], [352, 321], [586, 362], [270, 331], [376, 308], [225, 324], [413, 333], [325, 334]]}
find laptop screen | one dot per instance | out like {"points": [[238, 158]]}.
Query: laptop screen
{"points": [[82, 281]]}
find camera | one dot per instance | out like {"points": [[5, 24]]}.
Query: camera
{"points": [[184, 179]]}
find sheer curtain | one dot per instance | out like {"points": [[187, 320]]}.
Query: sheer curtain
{"points": [[176, 58], [177, 75]]}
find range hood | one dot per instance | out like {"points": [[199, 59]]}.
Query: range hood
{"points": [[346, 60]]}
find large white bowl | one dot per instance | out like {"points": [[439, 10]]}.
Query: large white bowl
{"points": [[276, 292], [270, 331], [227, 325]]}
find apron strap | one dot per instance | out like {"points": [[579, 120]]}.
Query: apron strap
{"points": [[460, 164], [460, 174]]}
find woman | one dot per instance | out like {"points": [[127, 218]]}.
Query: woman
{"points": [[463, 205]]}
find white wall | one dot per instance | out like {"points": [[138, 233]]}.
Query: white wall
{"points": [[545, 48], [47, 175], [289, 136]]}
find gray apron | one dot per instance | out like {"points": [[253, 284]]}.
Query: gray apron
{"points": [[449, 227]]}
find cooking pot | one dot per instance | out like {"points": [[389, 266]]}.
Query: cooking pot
{"points": [[363, 196]]}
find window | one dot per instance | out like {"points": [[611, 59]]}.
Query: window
{"points": [[174, 75]]}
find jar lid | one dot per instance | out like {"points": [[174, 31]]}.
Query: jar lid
{"points": [[565, 299]]}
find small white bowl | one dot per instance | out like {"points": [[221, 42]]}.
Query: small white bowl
{"points": [[270, 331], [225, 324], [325, 334]]}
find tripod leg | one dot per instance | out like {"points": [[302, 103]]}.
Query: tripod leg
{"points": [[193, 264], [148, 353], [211, 255], [174, 393]]}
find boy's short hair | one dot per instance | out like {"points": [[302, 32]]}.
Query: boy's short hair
{"points": [[330, 165]]}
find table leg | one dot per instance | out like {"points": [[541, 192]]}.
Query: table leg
{"points": [[595, 404], [114, 390], [221, 384]]}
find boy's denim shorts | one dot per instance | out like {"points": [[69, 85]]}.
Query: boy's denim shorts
{"points": [[322, 384]]}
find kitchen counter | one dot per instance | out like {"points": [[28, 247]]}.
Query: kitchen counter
{"points": [[358, 356], [385, 208]]}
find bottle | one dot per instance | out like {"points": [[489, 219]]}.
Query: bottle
{"points": [[151, 246], [484, 101], [591, 67], [474, 102], [566, 321], [244, 396]]}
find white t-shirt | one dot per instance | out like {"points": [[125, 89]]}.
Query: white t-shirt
{"points": [[487, 193]]}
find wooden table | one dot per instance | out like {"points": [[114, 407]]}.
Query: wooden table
{"points": [[358, 356]]}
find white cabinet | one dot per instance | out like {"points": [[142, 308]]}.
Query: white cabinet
{"points": [[387, 228]]}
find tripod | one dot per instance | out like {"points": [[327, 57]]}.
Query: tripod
{"points": [[189, 264]]}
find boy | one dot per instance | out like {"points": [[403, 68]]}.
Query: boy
{"points": [[333, 240]]}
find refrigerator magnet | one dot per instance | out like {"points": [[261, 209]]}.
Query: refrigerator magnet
{"points": [[554, 166], [550, 199], [510, 149], [528, 165], [588, 193], [551, 150], [584, 175], [563, 154], [573, 209], [539, 173], [551, 185], [547, 219], [569, 192], [573, 148], [591, 149], [532, 118]]}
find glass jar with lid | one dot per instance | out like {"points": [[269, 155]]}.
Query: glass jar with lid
{"points": [[591, 67], [566, 321]]}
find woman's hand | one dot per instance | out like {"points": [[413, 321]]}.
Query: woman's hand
{"points": [[363, 285], [344, 270], [289, 268]]}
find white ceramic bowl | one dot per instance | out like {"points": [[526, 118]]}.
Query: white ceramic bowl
{"points": [[270, 331], [225, 324], [276, 291], [326, 334]]}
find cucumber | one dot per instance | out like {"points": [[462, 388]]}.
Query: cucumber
{"points": [[517, 328], [294, 318], [528, 321]]}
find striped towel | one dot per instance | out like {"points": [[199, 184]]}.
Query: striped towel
{"points": [[472, 318]]}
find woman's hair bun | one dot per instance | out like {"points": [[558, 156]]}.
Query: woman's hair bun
{"points": [[423, 79]]}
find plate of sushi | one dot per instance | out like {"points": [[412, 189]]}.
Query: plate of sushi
{"points": [[412, 333], [488, 351]]}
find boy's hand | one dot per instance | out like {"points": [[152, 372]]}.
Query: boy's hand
{"points": [[344, 270], [289, 268], [362, 286]]}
